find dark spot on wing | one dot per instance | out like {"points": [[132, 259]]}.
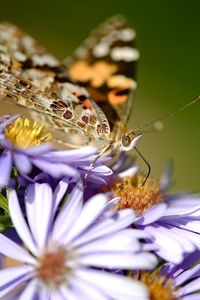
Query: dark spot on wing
{"points": [[62, 78], [68, 114], [27, 64], [58, 105], [85, 119], [122, 92], [82, 97], [23, 83]]}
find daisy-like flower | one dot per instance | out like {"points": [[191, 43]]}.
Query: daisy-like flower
{"points": [[25, 145], [172, 221], [174, 282], [70, 254]]}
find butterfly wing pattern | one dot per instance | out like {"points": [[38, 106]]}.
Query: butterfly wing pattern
{"points": [[105, 64], [33, 78]]}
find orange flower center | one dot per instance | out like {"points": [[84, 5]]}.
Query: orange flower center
{"points": [[22, 134], [52, 267], [159, 286], [135, 195]]}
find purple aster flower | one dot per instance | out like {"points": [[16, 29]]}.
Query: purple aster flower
{"points": [[26, 146], [70, 254], [172, 221], [171, 282]]}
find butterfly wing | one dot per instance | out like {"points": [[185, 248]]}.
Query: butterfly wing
{"points": [[33, 78], [106, 65]]}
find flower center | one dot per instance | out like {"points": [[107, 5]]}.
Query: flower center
{"points": [[52, 267], [22, 134], [135, 195], [159, 287]]}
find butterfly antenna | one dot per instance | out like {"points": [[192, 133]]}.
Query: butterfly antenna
{"points": [[146, 162], [169, 115]]}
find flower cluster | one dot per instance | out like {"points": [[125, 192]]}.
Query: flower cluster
{"points": [[74, 228]]}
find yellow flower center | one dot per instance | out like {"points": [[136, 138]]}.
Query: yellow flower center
{"points": [[135, 195], [22, 134], [159, 286], [52, 268]]}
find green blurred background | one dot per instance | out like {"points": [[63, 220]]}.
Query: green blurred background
{"points": [[168, 72]]}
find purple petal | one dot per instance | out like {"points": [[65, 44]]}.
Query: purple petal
{"points": [[43, 293], [29, 291], [90, 212], [125, 218], [10, 278], [184, 238], [187, 275], [180, 233], [110, 204], [169, 248], [7, 120], [60, 192], [84, 290], [183, 205], [129, 172], [114, 286], [191, 297], [188, 261], [186, 223], [55, 295], [191, 287], [5, 168], [70, 155], [38, 150], [122, 261], [153, 214], [55, 169], [19, 222], [165, 180], [98, 169], [69, 293], [13, 250], [124, 240], [22, 163], [69, 212], [39, 204]]}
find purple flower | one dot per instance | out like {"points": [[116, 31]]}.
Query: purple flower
{"points": [[175, 281], [174, 226], [172, 221], [69, 252], [25, 147]]}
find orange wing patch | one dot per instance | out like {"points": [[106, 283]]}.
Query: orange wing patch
{"points": [[97, 74], [120, 86]]}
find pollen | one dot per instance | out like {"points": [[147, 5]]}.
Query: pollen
{"points": [[23, 134], [51, 269], [159, 286], [135, 195]]}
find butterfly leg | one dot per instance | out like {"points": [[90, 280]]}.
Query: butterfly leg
{"points": [[105, 148]]}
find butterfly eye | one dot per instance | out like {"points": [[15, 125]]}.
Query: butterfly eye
{"points": [[126, 141]]}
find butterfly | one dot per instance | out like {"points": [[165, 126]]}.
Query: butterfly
{"points": [[87, 99]]}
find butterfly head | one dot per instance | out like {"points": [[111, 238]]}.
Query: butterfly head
{"points": [[129, 139]]}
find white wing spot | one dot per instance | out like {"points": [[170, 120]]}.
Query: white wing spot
{"points": [[6, 34], [126, 35], [45, 59], [27, 41], [101, 50], [20, 56], [81, 52], [124, 53], [121, 81]]}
